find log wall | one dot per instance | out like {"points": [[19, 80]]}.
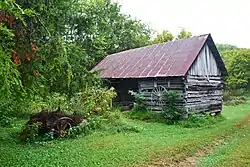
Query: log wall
{"points": [[198, 93], [204, 84], [203, 94], [146, 87]]}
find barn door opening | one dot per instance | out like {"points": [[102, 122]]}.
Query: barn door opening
{"points": [[122, 88]]}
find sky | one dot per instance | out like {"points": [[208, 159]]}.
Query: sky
{"points": [[228, 21]]}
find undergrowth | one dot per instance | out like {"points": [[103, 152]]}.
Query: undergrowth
{"points": [[200, 120], [114, 122], [234, 97], [148, 116], [172, 113]]}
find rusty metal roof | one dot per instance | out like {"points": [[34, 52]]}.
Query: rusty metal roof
{"points": [[160, 60]]}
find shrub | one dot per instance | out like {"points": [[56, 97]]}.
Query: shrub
{"points": [[9, 109], [50, 102], [234, 97], [84, 129], [172, 112], [77, 131], [30, 133], [93, 101], [140, 104]]}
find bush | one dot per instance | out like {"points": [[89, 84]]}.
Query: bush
{"points": [[49, 102], [140, 104], [93, 101], [30, 133], [172, 112], [234, 97], [9, 109], [84, 129]]}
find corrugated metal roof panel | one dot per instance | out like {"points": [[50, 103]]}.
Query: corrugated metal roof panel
{"points": [[160, 60]]}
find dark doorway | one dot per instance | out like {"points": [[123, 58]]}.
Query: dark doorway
{"points": [[122, 87]]}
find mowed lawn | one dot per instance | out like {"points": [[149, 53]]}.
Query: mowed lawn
{"points": [[155, 145]]}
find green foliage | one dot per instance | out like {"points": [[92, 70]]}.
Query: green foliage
{"points": [[76, 131], [140, 101], [53, 46], [49, 102], [200, 120], [93, 101], [184, 34], [5, 121], [165, 36], [225, 47], [10, 108], [116, 122], [126, 149], [30, 133], [84, 129], [47, 56], [237, 64], [102, 29], [142, 115], [172, 112], [234, 97]]}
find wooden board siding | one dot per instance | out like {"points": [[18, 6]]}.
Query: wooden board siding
{"points": [[205, 64], [204, 84], [203, 95], [147, 85], [197, 92], [200, 90]]}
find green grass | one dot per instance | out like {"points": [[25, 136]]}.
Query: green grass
{"points": [[154, 141], [235, 151]]}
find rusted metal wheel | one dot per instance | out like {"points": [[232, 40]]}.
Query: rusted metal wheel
{"points": [[62, 124]]}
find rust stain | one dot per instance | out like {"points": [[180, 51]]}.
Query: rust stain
{"points": [[166, 59]]}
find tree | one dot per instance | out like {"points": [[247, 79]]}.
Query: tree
{"points": [[50, 46], [42, 41], [184, 34], [225, 47], [100, 28], [165, 36], [237, 63]]}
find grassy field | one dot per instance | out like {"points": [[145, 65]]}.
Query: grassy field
{"points": [[223, 144]]}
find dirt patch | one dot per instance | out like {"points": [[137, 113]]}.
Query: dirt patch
{"points": [[182, 160], [243, 123], [186, 160]]}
